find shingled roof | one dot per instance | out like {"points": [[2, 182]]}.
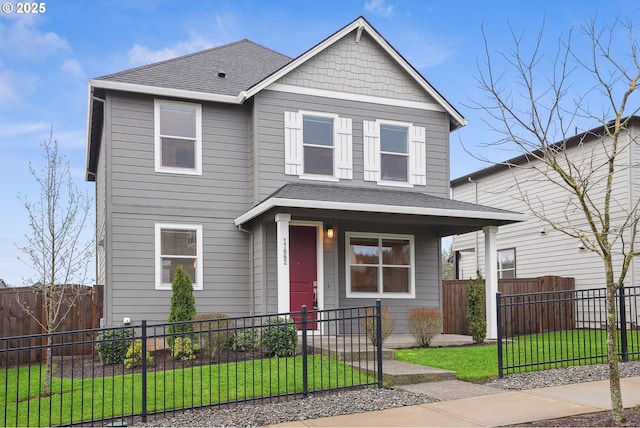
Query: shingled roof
{"points": [[225, 70]]}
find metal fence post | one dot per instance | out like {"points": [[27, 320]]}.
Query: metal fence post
{"points": [[623, 324], [499, 322], [144, 371], [305, 371], [379, 340]]}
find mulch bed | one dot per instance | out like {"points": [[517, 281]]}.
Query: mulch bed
{"points": [[598, 419], [88, 366]]}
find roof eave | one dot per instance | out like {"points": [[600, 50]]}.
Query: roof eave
{"points": [[270, 203]]}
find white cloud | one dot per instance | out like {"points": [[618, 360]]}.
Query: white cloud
{"points": [[7, 88], [73, 67], [23, 39], [142, 55], [379, 7]]}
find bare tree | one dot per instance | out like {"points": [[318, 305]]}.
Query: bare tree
{"points": [[535, 101], [54, 248]]}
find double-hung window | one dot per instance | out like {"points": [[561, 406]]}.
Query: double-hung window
{"points": [[394, 153], [178, 245], [317, 146], [380, 265], [178, 137], [507, 263]]}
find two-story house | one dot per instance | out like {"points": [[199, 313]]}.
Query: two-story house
{"points": [[534, 248], [320, 180]]}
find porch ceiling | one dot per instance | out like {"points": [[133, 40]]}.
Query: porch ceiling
{"points": [[446, 215]]}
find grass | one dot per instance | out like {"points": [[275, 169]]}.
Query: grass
{"points": [[550, 350], [76, 400]]}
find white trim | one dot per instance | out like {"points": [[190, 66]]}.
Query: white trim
{"points": [[318, 177], [387, 183], [375, 208], [159, 285], [325, 93], [491, 279], [282, 257], [160, 91], [380, 294], [197, 170]]}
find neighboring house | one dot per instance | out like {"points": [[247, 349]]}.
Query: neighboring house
{"points": [[533, 248], [3, 284], [320, 180]]}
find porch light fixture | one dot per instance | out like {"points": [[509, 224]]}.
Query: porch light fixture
{"points": [[330, 232]]}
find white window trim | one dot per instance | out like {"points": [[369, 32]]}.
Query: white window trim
{"points": [[380, 294], [294, 156], [158, 253], [393, 183], [500, 269], [158, 144]]}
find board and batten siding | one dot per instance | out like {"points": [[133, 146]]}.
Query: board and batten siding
{"points": [[269, 141], [537, 254], [139, 198]]}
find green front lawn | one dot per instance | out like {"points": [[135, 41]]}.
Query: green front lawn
{"points": [[101, 398], [481, 361]]}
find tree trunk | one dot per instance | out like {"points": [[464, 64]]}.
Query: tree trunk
{"points": [[612, 356], [48, 373]]}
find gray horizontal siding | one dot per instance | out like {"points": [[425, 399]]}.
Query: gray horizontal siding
{"points": [[270, 107]]}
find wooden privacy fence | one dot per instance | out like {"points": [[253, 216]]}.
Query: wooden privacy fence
{"points": [[454, 302], [15, 321]]}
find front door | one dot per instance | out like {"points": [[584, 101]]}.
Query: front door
{"points": [[303, 271]]}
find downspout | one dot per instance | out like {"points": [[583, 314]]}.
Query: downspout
{"points": [[251, 279]]}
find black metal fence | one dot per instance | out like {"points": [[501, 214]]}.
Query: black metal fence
{"points": [[538, 331], [143, 371]]}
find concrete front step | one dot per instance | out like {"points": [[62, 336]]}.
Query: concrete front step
{"points": [[401, 373]]}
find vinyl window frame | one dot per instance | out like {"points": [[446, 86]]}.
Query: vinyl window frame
{"points": [[197, 140], [159, 227]]}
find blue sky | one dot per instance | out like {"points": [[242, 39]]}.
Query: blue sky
{"points": [[46, 61]]}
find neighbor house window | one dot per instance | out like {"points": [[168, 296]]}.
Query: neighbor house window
{"points": [[379, 265], [394, 153], [178, 137], [507, 263], [318, 146], [178, 245], [317, 143]]}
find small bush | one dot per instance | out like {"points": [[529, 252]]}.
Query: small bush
{"points": [[369, 324], [183, 305], [184, 348], [425, 324], [475, 310], [215, 331], [244, 340], [279, 338], [112, 345], [133, 358]]}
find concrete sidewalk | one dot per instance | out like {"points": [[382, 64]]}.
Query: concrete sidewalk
{"points": [[488, 407]]}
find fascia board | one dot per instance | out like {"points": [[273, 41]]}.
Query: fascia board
{"points": [[390, 209]]}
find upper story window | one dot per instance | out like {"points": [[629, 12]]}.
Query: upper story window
{"points": [[394, 153], [507, 263], [178, 245], [380, 265], [178, 137], [317, 143], [318, 146]]}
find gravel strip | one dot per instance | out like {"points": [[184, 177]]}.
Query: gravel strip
{"points": [[358, 401]]}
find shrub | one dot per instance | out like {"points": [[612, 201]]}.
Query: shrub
{"points": [[183, 306], [369, 324], [133, 358], [112, 345], [184, 348], [244, 340], [279, 338], [425, 324], [475, 310], [215, 332]]}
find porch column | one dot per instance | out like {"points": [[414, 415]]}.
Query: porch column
{"points": [[491, 279], [282, 245]]}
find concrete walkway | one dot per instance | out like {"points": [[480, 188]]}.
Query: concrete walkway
{"points": [[466, 404]]}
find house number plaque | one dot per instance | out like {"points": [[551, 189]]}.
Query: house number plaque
{"points": [[284, 251]]}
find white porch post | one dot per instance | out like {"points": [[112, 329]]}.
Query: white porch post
{"points": [[491, 279], [282, 245]]}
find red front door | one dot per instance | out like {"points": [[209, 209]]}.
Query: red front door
{"points": [[303, 270]]}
